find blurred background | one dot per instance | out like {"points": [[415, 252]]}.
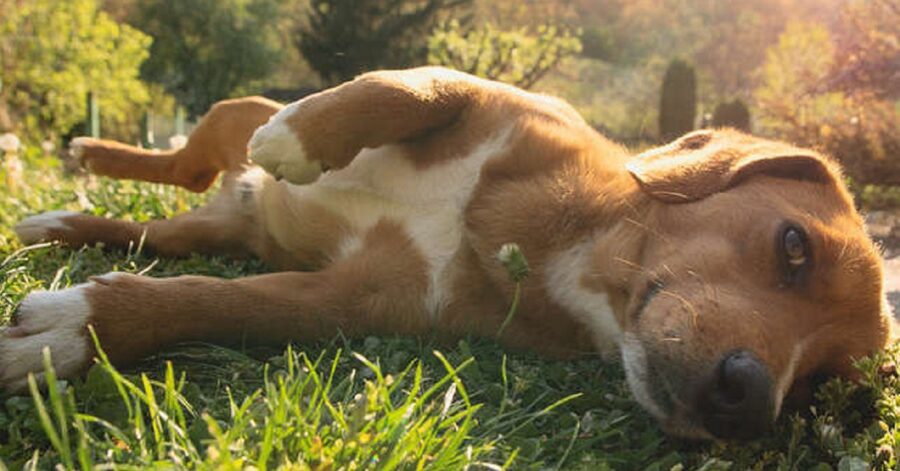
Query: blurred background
{"points": [[819, 73]]}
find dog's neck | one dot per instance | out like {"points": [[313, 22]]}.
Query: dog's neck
{"points": [[620, 230]]}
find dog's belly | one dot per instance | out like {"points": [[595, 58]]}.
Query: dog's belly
{"points": [[385, 184]]}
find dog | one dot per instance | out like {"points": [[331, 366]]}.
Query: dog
{"points": [[724, 269]]}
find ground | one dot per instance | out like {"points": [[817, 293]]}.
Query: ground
{"points": [[884, 226], [368, 403]]}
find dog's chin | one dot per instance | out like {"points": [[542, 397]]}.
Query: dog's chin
{"points": [[634, 360], [673, 417]]}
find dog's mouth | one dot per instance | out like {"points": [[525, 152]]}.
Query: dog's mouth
{"points": [[656, 396]]}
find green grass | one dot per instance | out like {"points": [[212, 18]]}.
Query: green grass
{"points": [[372, 403]]}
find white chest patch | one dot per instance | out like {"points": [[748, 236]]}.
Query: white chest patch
{"points": [[564, 273], [384, 183]]}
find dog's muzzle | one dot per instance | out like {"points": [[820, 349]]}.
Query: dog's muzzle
{"points": [[731, 398], [737, 400]]}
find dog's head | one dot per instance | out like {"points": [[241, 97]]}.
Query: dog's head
{"points": [[757, 274]]}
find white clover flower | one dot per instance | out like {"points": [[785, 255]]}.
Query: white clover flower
{"points": [[178, 141], [9, 142], [48, 146], [512, 258], [506, 252]]}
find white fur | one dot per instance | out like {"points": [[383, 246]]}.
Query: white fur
{"points": [[634, 359], [384, 183], [76, 146], [244, 192], [787, 377], [37, 228], [349, 245], [276, 148], [49, 319], [564, 284]]}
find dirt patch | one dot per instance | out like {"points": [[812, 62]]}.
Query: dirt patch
{"points": [[884, 227]]}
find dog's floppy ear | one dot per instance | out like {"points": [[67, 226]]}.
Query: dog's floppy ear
{"points": [[702, 163]]}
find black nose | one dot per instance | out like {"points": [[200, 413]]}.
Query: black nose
{"points": [[737, 400]]}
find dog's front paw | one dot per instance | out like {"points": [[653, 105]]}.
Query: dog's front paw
{"points": [[53, 319], [276, 148]]}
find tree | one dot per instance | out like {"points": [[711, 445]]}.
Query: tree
{"points": [[344, 38], [207, 50], [868, 52], [518, 56], [678, 101], [798, 101], [54, 52]]}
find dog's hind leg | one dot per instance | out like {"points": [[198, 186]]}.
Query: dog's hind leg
{"points": [[219, 143], [380, 288], [228, 225]]}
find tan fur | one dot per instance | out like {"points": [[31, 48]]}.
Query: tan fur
{"points": [[217, 144], [377, 292], [701, 214], [396, 107]]}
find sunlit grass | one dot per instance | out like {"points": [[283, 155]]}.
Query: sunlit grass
{"points": [[372, 403]]}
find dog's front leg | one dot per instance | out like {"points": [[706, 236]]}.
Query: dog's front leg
{"points": [[328, 129], [135, 316]]}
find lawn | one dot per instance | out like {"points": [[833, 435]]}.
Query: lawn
{"points": [[370, 403]]}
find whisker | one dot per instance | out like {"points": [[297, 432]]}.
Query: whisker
{"points": [[634, 265], [647, 229], [684, 301]]}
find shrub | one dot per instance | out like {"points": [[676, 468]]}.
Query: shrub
{"points": [[795, 103], [520, 56], [732, 114]]}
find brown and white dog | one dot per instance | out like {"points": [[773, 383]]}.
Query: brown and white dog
{"points": [[723, 268]]}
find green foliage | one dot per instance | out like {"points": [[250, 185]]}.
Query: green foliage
{"points": [[519, 56], [796, 103], [732, 114], [868, 56], [678, 101], [343, 38], [621, 102], [302, 416], [875, 197], [54, 52], [599, 43], [208, 50], [794, 69]]}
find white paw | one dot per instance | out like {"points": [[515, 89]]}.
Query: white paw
{"points": [[53, 319], [37, 228], [76, 146], [276, 148]]}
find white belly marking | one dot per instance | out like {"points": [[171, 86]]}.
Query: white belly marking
{"points": [[384, 183]]}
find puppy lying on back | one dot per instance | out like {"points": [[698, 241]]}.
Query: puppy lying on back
{"points": [[724, 269]]}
